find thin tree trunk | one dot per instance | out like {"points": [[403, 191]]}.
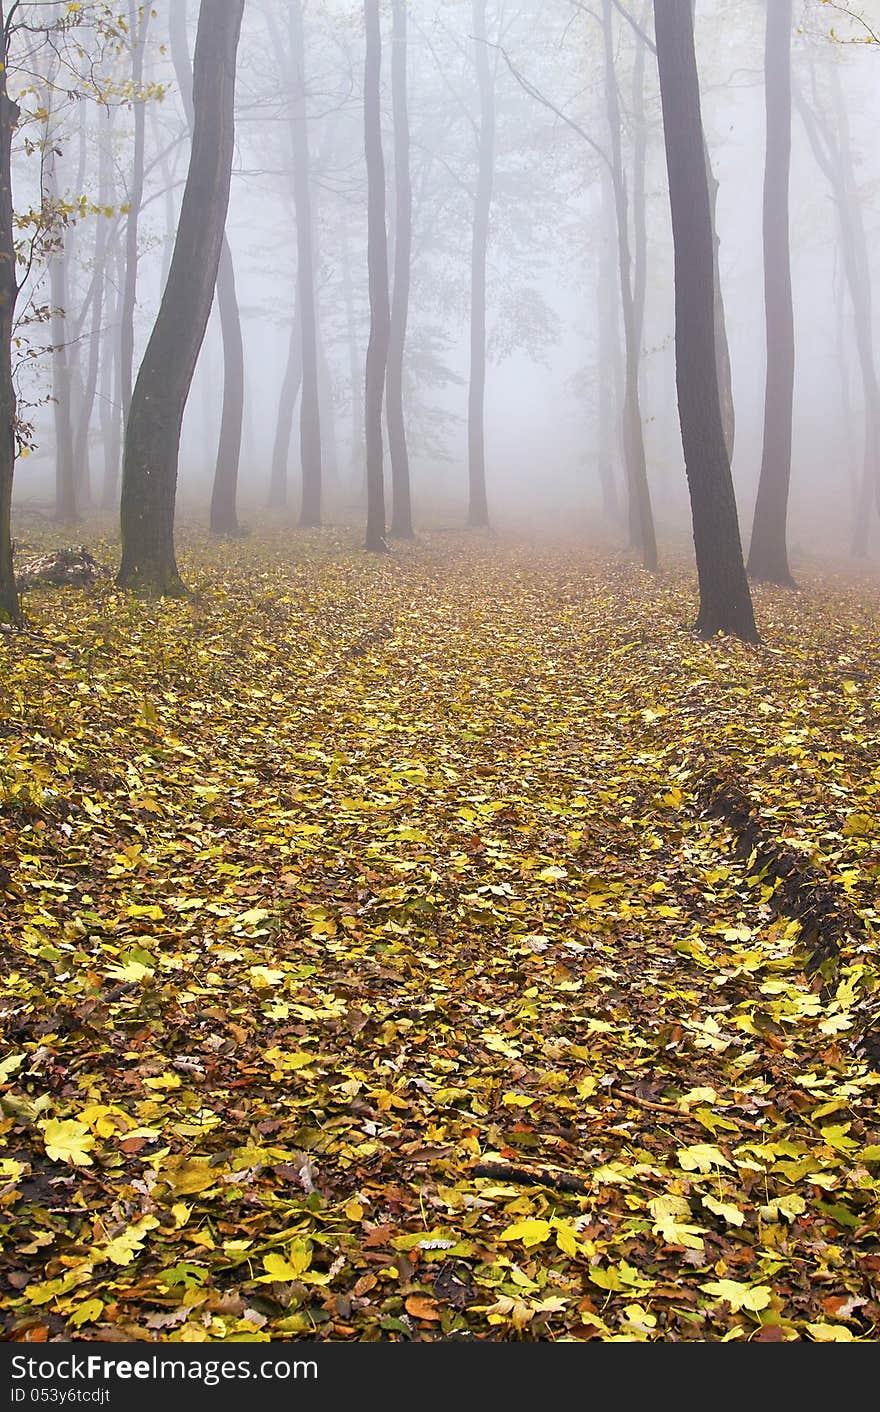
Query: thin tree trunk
{"points": [[722, 347], [641, 519], [478, 505], [768, 553], [377, 265], [65, 479], [401, 517], [152, 437], [138, 31], [725, 601], [609, 356], [833, 152], [290, 387], [358, 467], [81, 447], [9, 115], [310, 407], [224, 517], [111, 386]]}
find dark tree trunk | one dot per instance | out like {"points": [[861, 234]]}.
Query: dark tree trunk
{"points": [[640, 165], [358, 468], [833, 152], [377, 264], [768, 553], [9, 114], [310, 405], [290, 387], [138, 32], [641, 519], [478, 504], [224, 518], [152, 437], [401, 517], [65, 480], [725, 601], [609, 356]]}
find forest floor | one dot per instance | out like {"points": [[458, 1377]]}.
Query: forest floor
{"points": [[347, 896]]}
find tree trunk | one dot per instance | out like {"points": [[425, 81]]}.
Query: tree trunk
{"points": [[641, 519], [722, 347], [138, 32], [377, 265], [111, 389], [401, 517], [833, 152], [725, 601], [152, 437], [478, 505], [81, 445], [310, 406], [9, 114], [358, 467], [65, 480], [609, 356], [290, 387], [224, 518], [768, 554]]}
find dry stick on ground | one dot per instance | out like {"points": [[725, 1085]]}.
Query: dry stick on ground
{"points": [[502, 1171]]}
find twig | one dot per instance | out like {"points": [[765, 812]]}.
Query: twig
{"points": [[502, 1171]]}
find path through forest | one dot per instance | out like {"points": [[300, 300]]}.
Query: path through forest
{"points": [[349, 877]]}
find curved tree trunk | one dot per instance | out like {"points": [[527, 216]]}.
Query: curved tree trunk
{"points": [[152, 436], [722, 347], [9, 114], [641, 519], [377, 263], [768, 553], [478, 505], [401, 516], [65, 480], [81, 444], [725, 601]]}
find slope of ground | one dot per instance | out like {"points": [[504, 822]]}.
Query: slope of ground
{"points": [[374, 969]]}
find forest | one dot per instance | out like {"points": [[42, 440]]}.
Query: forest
{"points": [[439, 671]]}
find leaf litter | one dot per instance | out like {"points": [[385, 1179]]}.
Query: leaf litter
{"points": [[376, 965]]}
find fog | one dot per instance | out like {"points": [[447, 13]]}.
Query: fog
{"points": [[548, 370]]}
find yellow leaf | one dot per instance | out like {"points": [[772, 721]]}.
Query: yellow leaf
{"points": [[830, 1333], [566, 1237], [354, 1211], [67, 1141], [291, 1266], [123, 1248], [192, 1177], [529, 1232], [739, 1295], [701, 1157]]}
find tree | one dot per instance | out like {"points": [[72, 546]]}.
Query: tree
{"points": [[377, 265], [478, 505], [768, 554], [310, 409], [65, 482], [152, 433], [9, 115], [725, 601], [401, 516], [137, 29], [223, 517], [641, 520]]}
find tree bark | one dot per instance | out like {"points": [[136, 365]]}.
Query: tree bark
{"points": [[358, 465], [768, 553], [290, 387], [401, 516], [725, 601], [9, 115], [478, 505], [641, 519], [152, 437], [138, 32], [111, 388], [310, 405], [377, 265], [722, 347]]}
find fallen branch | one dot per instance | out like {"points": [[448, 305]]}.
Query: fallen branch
{"points": [[502, 1171]]}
